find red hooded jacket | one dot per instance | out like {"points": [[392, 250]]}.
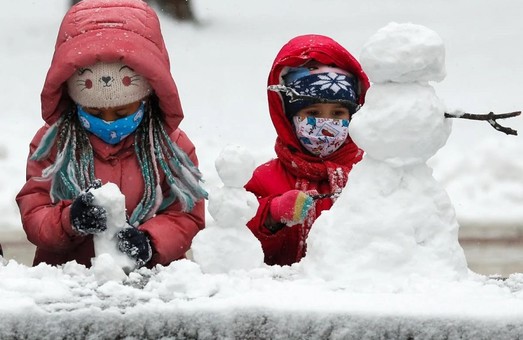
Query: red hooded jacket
{"points": [[107, 30], [278, 176]]}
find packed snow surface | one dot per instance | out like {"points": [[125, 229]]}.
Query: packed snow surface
{"points": [[387, 263]]}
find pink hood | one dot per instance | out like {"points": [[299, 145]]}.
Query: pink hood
{"points": [[98, 30]]}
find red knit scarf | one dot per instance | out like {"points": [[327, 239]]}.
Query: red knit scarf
{"points": [[307, 168]]}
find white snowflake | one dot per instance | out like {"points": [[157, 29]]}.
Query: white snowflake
{"points": [[333, 81]]}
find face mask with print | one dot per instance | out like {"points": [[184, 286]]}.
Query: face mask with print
{"points": [[321, 136], [111, 132]]}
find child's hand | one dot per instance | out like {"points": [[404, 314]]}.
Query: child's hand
{"points": [[86, 217], [291, 208], [136, 244]]}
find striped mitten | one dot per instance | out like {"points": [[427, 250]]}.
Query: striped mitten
{"points": [[291, 207]]}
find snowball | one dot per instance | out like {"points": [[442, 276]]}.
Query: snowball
{"points": [[231, 207], [235, 166], [404, 53], [401, 124]]}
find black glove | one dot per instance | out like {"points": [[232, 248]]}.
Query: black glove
{"points": [[86, 217], [136, 244]]}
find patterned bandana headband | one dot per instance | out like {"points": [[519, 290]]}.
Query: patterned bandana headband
{"points": [[304, 86]]}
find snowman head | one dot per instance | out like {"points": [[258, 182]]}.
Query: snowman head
{"points": [[235, 166], [404, 53]]}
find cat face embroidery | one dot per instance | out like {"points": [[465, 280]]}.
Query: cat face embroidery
{"points": [[107, 85]]}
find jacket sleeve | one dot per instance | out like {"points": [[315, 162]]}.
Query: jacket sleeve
{"points": [[46, 224], [272, 244], [171, 231]]}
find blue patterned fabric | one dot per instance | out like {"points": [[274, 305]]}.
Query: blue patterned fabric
{"points": [[319, 88], [111, 132]]}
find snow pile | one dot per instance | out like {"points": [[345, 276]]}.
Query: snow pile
{"points": [[227, 244], [180, 301], [393, 222]]}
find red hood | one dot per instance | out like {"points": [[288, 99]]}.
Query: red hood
{"points": [[295, 53], [101, 30]]}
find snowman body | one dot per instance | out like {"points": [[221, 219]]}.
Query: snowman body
{"points": [[228, 244], [393, 220]]}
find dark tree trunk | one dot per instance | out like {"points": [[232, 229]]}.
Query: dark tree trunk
{"points": [[178, 9]]}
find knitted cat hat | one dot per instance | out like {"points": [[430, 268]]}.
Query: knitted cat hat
{"points": [[104, 85]]}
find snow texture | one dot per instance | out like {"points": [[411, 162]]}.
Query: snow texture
{"points": [[180, 301], [404, 53], [108, 258], [227, 244]]}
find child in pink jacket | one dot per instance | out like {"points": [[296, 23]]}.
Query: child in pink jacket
{"points": [[111, 112]]}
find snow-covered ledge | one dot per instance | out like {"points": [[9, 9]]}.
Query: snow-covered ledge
{"points": [[276, 303]]}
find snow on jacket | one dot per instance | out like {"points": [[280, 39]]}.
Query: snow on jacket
{"points": [[275, 177], [98, 30]]}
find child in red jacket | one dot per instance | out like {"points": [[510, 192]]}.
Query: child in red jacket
{"points": [[111, 111], [315, 85]]}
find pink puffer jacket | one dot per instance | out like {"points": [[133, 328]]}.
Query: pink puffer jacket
{"points": [[107, 30]]}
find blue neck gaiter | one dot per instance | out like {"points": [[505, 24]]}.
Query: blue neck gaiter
{"points": [[111, 132]]}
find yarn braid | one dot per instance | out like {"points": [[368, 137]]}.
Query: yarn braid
{"points": [[73, 169]]}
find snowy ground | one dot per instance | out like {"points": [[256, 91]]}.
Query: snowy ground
{"points": [[221, 68], [276, 303]]}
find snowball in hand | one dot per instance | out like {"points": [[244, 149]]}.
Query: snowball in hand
{"points": [[113, 201]]}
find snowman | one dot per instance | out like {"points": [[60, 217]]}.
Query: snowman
{"points": [[393, 221], [109, 262], [228, 244]]}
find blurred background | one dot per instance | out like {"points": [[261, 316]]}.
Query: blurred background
{"points": [[221, 53]]}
